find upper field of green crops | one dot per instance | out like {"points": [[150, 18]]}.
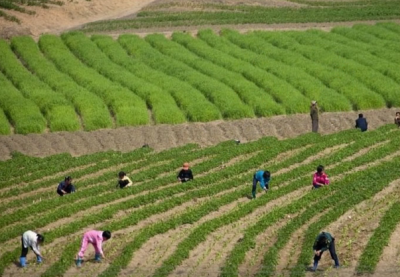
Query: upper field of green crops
{"points": [[209, 227], [75, 82], [196, 13]]}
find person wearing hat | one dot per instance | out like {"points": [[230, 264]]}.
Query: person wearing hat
{"points": [[185, 174], [314, 116], [66, 186], [95, 238], [362, 123], [32, 240], [264, 177], [324, 241], [123, 180]]}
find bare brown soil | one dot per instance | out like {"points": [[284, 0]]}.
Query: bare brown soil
{"points": [[162, 137]]}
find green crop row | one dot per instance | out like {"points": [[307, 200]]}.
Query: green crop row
{"points": [[90, 107], [359, 96], [59, 112], [223, 97], [375, 81], [384, 50], [191, 101], [125, 106], [22, 113], [337, 44], [162, 105], [311, 87], [240, 14], [380, 238], [261, 101]]}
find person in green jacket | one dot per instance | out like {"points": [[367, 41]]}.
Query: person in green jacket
{"points": [[324, 241]]}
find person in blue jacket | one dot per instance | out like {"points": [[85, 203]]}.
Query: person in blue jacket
{"points": [[263, 177]]}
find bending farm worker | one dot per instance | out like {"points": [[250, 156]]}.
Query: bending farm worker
{"points": [[96, 238], [324, 241], [66, 186], [32, 240], [264, 178], [320, 178], [123, 180], [185, 174]]}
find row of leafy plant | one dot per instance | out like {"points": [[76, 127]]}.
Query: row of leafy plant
{"points": [[209, 14]]}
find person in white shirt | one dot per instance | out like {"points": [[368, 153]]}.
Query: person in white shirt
{"points": [[123, 180], [32, 240]]}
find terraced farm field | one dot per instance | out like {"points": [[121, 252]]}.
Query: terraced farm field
{"points": [[210, 227], [74, 82]]}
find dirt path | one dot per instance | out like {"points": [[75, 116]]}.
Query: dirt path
{"points": [[162, 137]]}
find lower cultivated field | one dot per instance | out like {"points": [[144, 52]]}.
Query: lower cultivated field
{"points": [[210, 227]]}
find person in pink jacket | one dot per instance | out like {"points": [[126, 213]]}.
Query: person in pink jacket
{"points": [[320, 178], [96, 238]]}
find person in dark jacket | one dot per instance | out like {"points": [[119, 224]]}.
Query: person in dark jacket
{"points": [[324, 241], [66, 186], [264, 177], [362, 123], [314, 116], [185, 174]]}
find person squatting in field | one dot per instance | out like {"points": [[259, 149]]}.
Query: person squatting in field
{"points": [[32, 240], [320, 178], [66, 186], [361, 122], [264, 177], [123, 180], [324, 241], [397, 119], [185, 174], [96, 238]]}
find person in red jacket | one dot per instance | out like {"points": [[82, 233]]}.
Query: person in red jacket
{"points": [[320, 178]]}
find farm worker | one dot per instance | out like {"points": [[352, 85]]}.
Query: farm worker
{"points": [[361, 123], [397, 119], [65, 186], [324, 241], [123, 180], [95, 238], [264, 178], [185, 174], [32, 240], [314, 116], [320, 178]]}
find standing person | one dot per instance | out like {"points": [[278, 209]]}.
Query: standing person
{"points": [[320, 178], [96, 238], [185, 174], [362, 123], [123, 180], [264, 178], [397, 119], [324, 241], [66, 186], [32, 240], [314, 116]]}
